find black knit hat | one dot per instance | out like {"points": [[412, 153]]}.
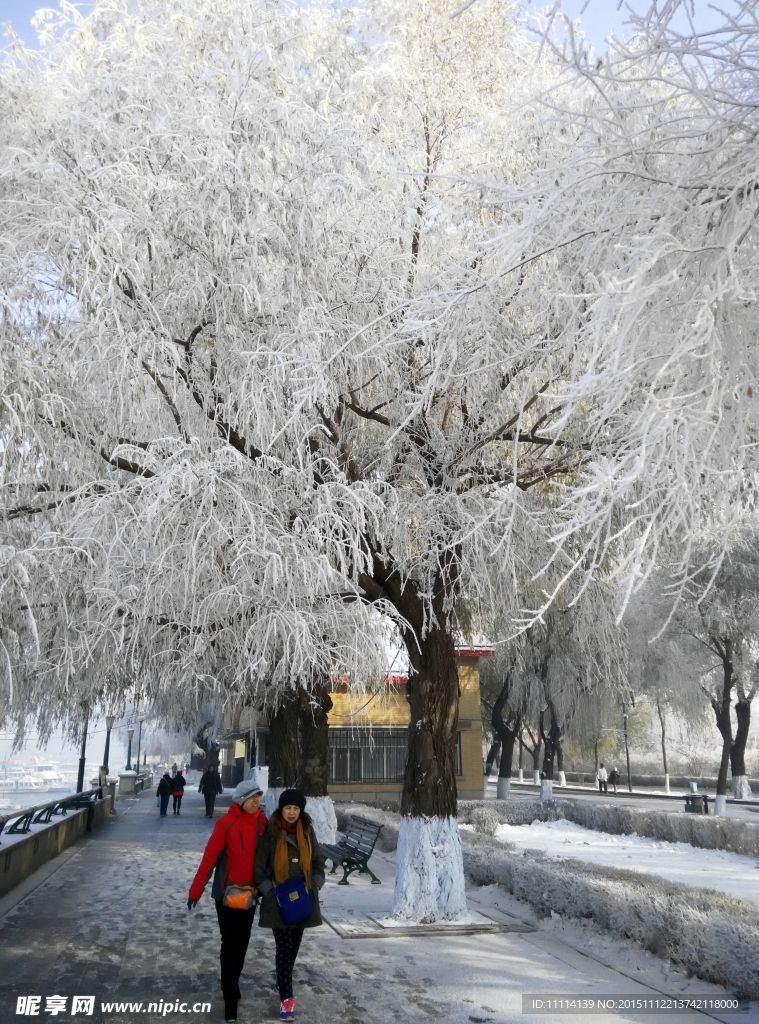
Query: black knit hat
{"points": [[292, 796]]}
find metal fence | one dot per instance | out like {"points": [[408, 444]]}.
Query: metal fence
{"points": [[41, 814]]}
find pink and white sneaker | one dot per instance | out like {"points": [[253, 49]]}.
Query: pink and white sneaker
{"points": [[287, 1009]]}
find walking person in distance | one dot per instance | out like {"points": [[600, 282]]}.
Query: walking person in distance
{"points": [[289, 875], [163, 792], [230, 856], [210, 786], [602, 779], [178, 783]]}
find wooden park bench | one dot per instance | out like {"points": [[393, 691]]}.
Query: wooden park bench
{"points": [[353, 852]]}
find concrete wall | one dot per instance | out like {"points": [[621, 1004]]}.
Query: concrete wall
{"points": [[20, 855]]}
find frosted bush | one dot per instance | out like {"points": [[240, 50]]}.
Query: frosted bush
{"points": [[485, 820], [708, 934]]}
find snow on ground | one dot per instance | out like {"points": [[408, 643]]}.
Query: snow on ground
{"points": [[677, 862]]}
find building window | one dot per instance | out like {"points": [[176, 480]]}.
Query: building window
{"points": [[373, 755]]}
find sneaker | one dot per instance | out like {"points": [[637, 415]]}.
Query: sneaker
{"points": [[287, 1009], [230, 1013]]}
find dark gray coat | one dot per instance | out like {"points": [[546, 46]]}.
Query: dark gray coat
{"points": [[264, 872]]}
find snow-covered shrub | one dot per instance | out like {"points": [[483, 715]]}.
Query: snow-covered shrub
{"points": [[709, 934], [485, 820], [510, 812], [704, 831]]}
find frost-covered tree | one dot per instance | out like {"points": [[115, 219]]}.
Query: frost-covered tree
{"points": [[307, 309], [708, 647], [663, 667]]}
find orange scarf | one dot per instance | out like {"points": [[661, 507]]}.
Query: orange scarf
{"points": [[281, 857]]}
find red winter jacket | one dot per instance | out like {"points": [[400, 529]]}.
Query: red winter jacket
{"points": [[238, 832]]}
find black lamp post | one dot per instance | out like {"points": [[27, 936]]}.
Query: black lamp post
{"points": [[139, 741], [82, 757], [130, 734], [109, 720]]}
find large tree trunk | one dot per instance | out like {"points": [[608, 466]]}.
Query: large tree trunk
{"points": [[533, 749], [507, 730], [429, 882], [741, 788], [560, 761], [663, 724], [721, 708], [299, 738], [551, 738], [284, 742], [493, 756], [211, 749], [313, 708], [429, 786]]}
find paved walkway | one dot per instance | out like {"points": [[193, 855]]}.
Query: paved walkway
{"points": [[108, 919]]}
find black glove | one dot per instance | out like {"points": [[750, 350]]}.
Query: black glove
{"points": [[191, 904]]}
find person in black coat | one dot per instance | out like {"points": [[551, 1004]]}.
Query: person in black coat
{"points": [[210, 786], [163, 791], [288, 849], [178, 783]]}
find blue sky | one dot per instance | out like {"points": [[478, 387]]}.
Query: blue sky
{"points": [[599, 17]]}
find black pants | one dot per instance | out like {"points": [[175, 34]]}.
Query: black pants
{"points": [[210, 799], [287, 941], [178, 802], [164, 805], [603, 786], [234, 926]]}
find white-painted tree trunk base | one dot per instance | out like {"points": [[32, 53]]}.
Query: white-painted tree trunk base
{"points": [[562, 778], [270, 800], [321, 810], [536, 778], [429, 880], [521, 774], [720, 805], [503, 789], [546, 790], [666, 783], [741, 788]]}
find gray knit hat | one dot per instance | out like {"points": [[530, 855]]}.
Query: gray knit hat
{"points": [[244, 790]]}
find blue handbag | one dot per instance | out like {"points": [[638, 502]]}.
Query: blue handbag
{"points": [[294, 900]]}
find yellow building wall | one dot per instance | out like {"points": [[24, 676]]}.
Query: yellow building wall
{"points": [[390, 709]]}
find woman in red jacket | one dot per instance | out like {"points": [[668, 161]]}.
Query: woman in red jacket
{"points": [[230, 855]]}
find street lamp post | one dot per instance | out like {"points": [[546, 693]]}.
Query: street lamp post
{"points": [[139, 741], [130, 734], [109, 720], [82, 757]]}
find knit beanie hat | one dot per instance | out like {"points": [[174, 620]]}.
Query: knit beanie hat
{"points": [[244, 790], [292, 796]]}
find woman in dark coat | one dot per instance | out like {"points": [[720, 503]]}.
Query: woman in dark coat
{"points": [[178, 783], [229, 855], [288, 849], [210, 786], [163, 791]]}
